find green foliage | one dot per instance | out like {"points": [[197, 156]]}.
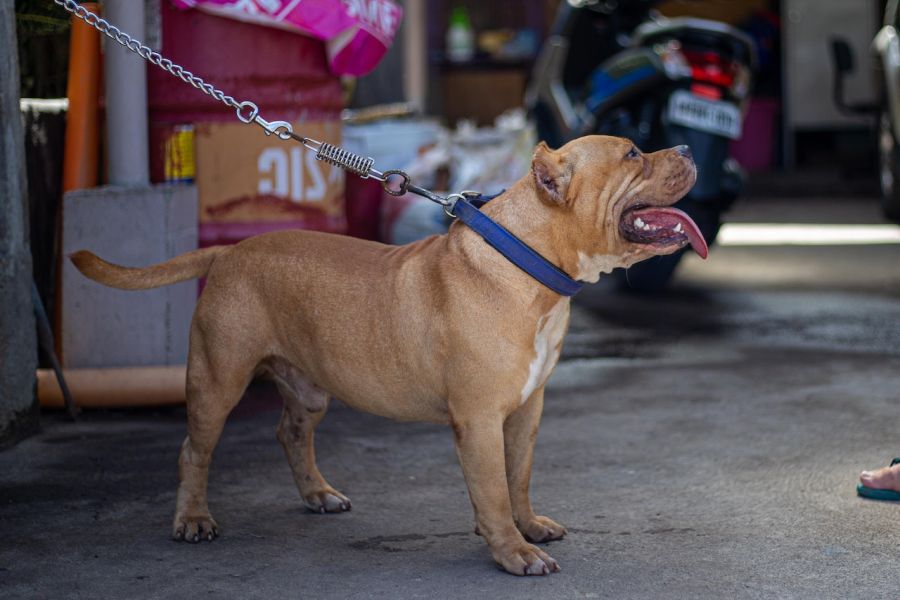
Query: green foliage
{"points": [[40, 17], [42, 30]]}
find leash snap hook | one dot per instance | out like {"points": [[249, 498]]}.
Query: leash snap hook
{"points": [[248, 112], [281, 129]]}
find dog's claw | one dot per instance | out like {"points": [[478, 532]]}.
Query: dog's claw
{"points": [[527, 560], [327, 501], [542, 529], [538, 567], [194, 529]]}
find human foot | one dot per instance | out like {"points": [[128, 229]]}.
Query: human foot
{"points": [[886, 478]]}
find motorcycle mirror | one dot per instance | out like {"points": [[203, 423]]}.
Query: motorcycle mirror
{"points": [[842, 55]]}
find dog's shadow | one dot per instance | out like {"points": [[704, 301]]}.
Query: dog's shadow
{"points": [[611, 322]]}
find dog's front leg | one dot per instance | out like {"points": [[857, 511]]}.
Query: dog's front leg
{"points": [[519, 433], [479, 444]]}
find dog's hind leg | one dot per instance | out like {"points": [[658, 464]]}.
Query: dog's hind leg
{"points": [[216, 380], [304, 407]]}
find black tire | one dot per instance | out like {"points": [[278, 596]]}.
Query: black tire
{"points": [[654, 274], [888, 168]]}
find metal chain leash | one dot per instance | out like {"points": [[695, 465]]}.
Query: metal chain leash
{"points": [[248, 112]]}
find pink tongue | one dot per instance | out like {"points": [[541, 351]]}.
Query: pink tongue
{"points": [[669, 217]]}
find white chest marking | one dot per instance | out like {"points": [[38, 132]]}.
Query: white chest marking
{"points": [[547, 341], [591, 267]]}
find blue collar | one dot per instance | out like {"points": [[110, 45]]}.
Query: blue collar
{"points": [[514, 249]]}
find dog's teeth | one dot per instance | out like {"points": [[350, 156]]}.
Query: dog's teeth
{"points": [[678, 228], [646, 227], [638, 222]]}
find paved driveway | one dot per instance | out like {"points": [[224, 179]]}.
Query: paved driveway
{"points": [[700, 444]]}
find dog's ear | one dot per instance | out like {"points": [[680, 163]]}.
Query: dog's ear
{"points": [[551, 175]]}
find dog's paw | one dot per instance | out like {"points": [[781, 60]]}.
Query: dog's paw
{"points": [[327, 500], [542, 529], [525, 559], [195, 528]]}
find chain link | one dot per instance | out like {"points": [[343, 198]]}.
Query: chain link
{"points": [[248, 112]]}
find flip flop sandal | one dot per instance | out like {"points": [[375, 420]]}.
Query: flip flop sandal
{"points": [[875, 494]]}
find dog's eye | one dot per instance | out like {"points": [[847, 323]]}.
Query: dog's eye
{"points": [[633, 153]]}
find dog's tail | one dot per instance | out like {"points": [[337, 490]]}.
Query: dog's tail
{"points": [[186, 266]]}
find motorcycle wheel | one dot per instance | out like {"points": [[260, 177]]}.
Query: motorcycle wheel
{"points": [[654, 274], [889, 168]]}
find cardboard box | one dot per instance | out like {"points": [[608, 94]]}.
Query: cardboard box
{"points": [[250, 183]]}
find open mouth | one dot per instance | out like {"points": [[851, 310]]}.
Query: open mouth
{"points": [[663, 227]]}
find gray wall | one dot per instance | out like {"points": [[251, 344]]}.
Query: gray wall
{"points": [[18, 345], [135, 227]]}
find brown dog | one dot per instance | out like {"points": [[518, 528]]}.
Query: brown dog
{"points": [[444, 329]]}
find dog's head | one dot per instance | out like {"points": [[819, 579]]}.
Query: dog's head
{"points": [[616, 201]]}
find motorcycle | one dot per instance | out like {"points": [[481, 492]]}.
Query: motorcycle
{"points": [[618, 68]]}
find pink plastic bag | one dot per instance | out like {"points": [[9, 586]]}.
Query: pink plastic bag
{"points": [[357, 32]]}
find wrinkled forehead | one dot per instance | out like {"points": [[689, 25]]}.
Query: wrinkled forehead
{"points": [[596, 150]]}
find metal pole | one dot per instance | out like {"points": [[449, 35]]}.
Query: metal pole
{"points": [[415, 53], [18, 340], [126, 98]]}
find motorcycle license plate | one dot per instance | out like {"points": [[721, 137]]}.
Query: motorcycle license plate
{"points": [[711, 116]]}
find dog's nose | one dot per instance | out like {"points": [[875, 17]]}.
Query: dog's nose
{"points": [[684, 150]]}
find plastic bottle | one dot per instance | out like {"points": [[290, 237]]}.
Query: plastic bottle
{"points": [[460, 37]]}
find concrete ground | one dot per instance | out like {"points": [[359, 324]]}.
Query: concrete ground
{"points": [[704, 443]]}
